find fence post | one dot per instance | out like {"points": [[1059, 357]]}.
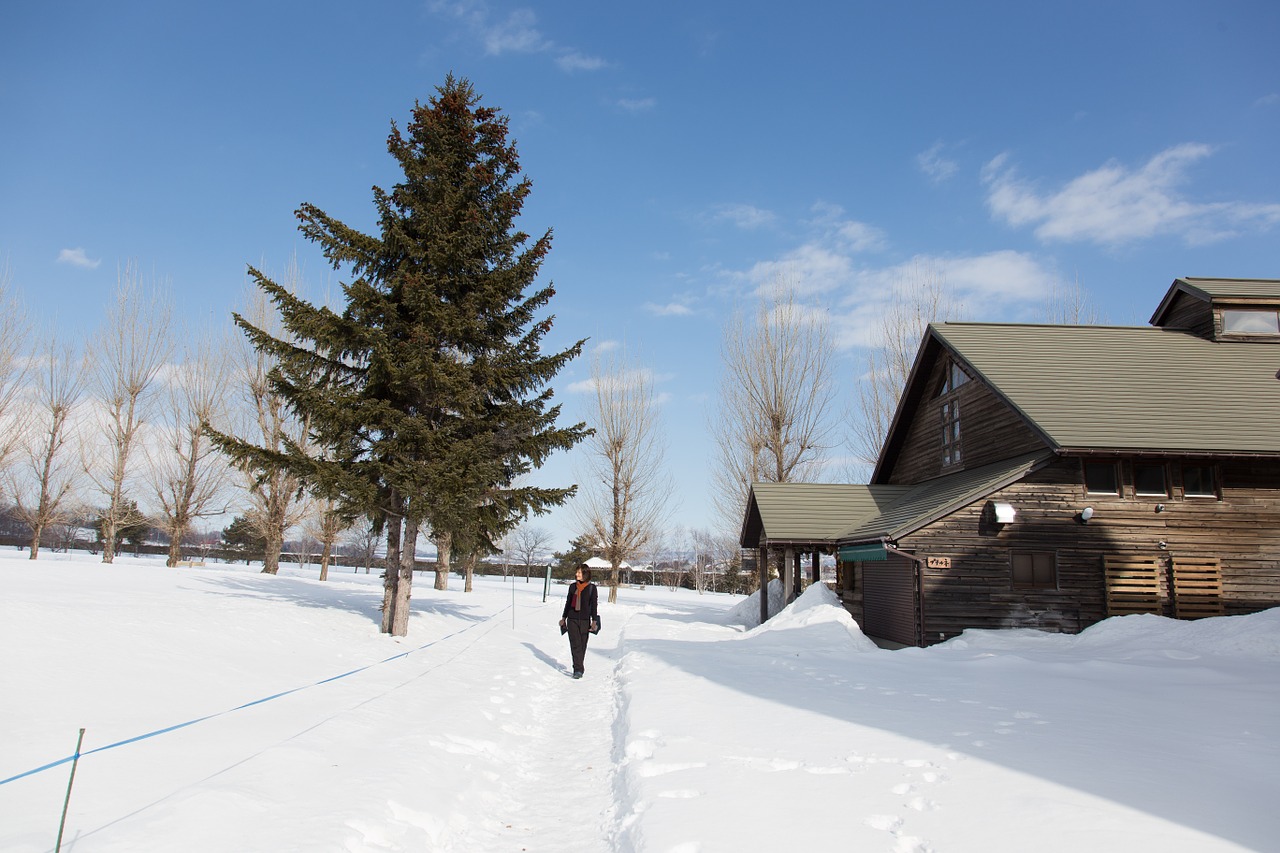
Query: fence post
{"points": [[75, 759]]}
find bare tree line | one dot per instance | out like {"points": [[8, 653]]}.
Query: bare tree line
{"points": [[115, 430]]}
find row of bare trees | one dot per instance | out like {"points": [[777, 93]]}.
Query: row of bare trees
{"points": [[122, 422]]}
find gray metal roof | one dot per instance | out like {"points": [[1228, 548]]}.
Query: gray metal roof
{"points": [[1129, 388], [1228, 288], [815, 512], [928, 501]]}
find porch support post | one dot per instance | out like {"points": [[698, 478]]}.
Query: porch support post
{"points": [[762, 570], [789, 574], [815, 574]]}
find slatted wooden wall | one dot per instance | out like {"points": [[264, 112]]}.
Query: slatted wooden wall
{"points": [[1133, 585], [1197, 587]]}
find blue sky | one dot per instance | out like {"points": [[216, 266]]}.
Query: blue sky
{"points": [[683, 153]]}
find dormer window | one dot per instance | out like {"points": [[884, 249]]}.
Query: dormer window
{"points": [[1251, 321], [952, 379]]}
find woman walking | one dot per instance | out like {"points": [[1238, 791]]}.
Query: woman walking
{"points": [[579, 619]]}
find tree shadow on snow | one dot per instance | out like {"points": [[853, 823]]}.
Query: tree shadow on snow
{"points": [[305, 593]]}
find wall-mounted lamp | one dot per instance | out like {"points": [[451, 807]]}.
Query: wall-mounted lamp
{"points": [[1163, 544], [1086, 514], [1004, 512], [1159, 507]]}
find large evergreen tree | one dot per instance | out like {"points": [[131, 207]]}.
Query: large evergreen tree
{"points": [[429, 394]]}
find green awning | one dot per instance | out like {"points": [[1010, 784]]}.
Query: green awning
{"points": [[874, 551]]}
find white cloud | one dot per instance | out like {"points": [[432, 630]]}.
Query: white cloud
{"points": [[1268, 100], [574, 61], [517, 33], [77, 258], [637, 105], [744, 216], [1113, 205], [671, 309], [934, 165], [637, 377]]}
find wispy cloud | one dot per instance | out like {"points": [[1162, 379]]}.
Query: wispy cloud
{"points": [[636, 105], [1113, 205], [671, 309], [77, 258], [637, 377], [936, 167], [574, 61], [744, 216], [518, 32], [1269, 100]]}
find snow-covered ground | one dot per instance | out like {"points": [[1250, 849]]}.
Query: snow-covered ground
{"points": [[691, 733]]}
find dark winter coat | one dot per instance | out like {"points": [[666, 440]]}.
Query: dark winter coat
{"points": [[586, 610]]}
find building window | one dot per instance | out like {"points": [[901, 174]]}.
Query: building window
{"points": [[1034, 570], [951, 432], [1149, 479], [953, 378], [1100, 478], [1198, 481], [1251, 322]]}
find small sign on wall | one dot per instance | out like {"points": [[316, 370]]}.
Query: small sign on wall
{"points": [[937, 562]]}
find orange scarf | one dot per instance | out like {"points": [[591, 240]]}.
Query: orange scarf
{"points": [[577, 594]]}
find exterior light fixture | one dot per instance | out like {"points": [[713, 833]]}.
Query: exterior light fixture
{"points": [[1004, 513], [1086, 514]]}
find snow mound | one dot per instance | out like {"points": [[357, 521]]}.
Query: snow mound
{"points": [[1255, 636], [1141, 636], [818, 605], [747, 611]]}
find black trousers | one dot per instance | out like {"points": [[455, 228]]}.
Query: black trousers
{"points": [[579, 631]]}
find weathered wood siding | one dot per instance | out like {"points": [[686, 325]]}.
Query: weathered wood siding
{"points": [[1192, 313], [1242, 530], [989, 431]]}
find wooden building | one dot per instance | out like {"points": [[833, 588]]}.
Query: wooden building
{"points": [[1041, 476]]}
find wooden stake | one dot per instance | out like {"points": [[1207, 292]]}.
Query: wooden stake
{"points": [[75, 759]]}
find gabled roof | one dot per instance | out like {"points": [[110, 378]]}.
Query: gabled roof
{"points": [[1218, 289], [811, 512], [926, 502], [1130, 389]]}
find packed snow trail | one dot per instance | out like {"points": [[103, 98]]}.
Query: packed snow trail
{"points": [[479, 741]]}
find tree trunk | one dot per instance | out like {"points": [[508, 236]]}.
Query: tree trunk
{"points": [[175, 551], [469, 562], [324, 560], [36, 530], [391, 573], [444, 544], [108, 538], [271, 553], [408, 556]]}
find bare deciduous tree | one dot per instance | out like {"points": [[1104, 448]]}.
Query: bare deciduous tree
{"points": [[51, 477], [132, 346], [14, 344], [363, 538], [919, 298], [527, 542], [1069, 305], [324, 524], [627, 491], [188, 475], [773, 422], [276, 499]]}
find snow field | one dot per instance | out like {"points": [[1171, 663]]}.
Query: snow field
{"points": [[692, 732]]}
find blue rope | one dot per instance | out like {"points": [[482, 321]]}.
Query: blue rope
{"points": [[174, 728]]}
